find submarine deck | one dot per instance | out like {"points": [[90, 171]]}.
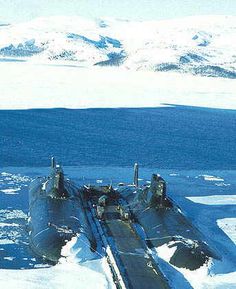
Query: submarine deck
{"points": [[139, 268]]}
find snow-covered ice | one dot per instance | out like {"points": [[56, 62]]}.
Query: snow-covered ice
{"points": [[214, 200], [228, 225], [166, 252], [8, 225], [200, 45], [66, 276], [12, 214], [212, 178], [78, 249], [11, 191], [49, 62], [25, 86], [81, 266]]}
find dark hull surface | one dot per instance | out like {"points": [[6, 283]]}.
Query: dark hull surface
{"points": [[55, 220], [165, 224]]}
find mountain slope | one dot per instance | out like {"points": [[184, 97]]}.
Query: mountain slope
{"points": [[203, 45]]}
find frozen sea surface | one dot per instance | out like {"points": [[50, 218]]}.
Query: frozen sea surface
{"points": [[215, 220], [193, 148]]}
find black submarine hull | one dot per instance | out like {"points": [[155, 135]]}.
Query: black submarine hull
{"points": [[55, 216], [164, 224], [168, 226]]}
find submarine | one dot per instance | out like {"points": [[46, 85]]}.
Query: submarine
{"points": [[164, 224], [56, 214]]}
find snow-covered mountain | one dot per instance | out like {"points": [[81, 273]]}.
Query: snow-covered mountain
{"points": [[203, 45]]}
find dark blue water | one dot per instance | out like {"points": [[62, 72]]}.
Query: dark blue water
{"points": [[168, 137]]}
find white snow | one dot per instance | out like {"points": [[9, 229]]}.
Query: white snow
{"points": [[6, 241], [60, 53], [9, 258], [25, 85], [165, 252], [214, 200], [196, 277], [211, 178], [201, 278], [222, 185], [13, 179], [8, 225], [78, 249], [4, 174], [12, 214], [199, 40], [80, 268], [220, 281], [228, 225], [66, 276], [10, 191]]}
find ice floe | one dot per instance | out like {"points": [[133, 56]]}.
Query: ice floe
{"points": [[214, 200]]}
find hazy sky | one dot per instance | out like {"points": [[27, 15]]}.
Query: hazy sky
{"points": [[22, 10]]}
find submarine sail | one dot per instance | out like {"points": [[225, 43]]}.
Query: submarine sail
{"points": [[56, 214], [165, 224]]}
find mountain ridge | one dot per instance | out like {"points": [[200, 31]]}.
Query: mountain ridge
{"points": [[202, 45]]}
